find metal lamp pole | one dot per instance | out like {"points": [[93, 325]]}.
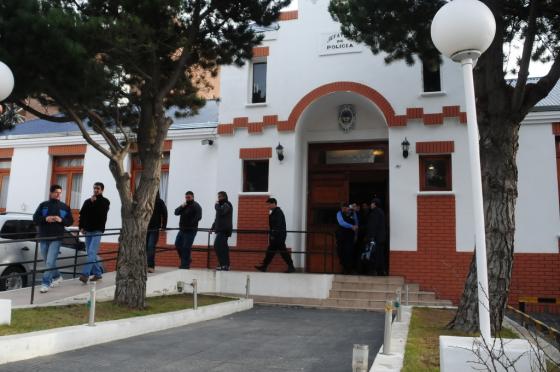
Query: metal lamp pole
{"points": [[462, 30]]}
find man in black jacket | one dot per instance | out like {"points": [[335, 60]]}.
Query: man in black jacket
{"points": [[223, 227], [157, 222], [376, 232], [51, 216], [277, 237], [93, 217], [190, 212]]}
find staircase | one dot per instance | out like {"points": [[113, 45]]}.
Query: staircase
{"points": [[353, 292]]}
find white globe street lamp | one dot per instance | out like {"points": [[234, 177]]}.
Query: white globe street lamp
{"points": [[462, 30], [6, 81]]}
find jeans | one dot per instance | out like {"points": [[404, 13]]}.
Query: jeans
{"points": [[183, 244], [49, 251], [151, 240], [222, 249], [93, 239]]}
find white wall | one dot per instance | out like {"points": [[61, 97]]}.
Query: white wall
{"points": [[537, 213]]}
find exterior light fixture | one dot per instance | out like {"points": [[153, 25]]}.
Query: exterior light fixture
{"points": [[280, 151], [6, 81], [208, 142], [462, 30], [405, 147]]}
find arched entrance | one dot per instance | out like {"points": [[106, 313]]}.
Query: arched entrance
{"points": [[341, 166]]}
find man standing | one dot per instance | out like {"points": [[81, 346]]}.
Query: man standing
{"points": [[190, 212], [51, 216], [157, 222], [345, 236], [93, 217], [223, 227], [376, 232], [277, 237]]}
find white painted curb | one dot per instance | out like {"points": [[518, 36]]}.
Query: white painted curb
{"points": [[394, 361], [53, 341]]}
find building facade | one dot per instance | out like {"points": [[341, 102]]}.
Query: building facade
{"points": [[315, 120]]}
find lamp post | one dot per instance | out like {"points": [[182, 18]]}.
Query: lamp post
{"points": [[462, 30], [6, 81]]}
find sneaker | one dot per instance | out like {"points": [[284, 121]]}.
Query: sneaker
{"points": [[95, 278], [151, 269], [83, 279], [56, 282], [44, 288], [261, 268]]}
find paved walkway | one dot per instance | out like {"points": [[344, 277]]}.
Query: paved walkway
{"points": [[275, 339]]}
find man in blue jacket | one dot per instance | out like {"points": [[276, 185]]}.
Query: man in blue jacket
{"points": [[51, 217]]}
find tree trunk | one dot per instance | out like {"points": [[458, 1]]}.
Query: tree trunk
{"points": [[499, 144]]}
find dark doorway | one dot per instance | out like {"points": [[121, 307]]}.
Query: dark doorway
{"points": [[341, 173]]}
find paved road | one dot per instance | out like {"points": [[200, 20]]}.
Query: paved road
{"points": [[275, 339]]}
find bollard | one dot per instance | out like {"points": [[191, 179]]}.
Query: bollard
{"points": [[388, 321], [248, 287], [180, 286], [398, 306], [91, 304], [195, 294], [360, 358], [406, 288]]}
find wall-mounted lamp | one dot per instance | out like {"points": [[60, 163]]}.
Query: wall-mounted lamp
{"points": [[405, 146], [208, 142], [280, 151]]}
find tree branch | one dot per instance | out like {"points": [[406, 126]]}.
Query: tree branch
{"points": [[519, 90], [41, 115], [87, 136], [541, 89], [99, 125]]}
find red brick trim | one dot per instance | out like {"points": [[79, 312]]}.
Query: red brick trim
{"points": [[435, 147], [556, 129], [255, 153], [260, 52], [67, 150], [6, 153], [288, 16]]}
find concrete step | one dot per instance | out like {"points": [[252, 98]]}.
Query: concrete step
{"points": [[368, 286], [379, 295], [397, 280]]}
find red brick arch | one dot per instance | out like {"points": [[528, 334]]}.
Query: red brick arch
{"points": [[343, 86]]}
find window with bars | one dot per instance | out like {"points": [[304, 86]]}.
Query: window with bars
{"points": [[68, 172], [136, 173]]}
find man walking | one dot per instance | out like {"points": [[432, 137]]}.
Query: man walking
{"points": [[376, 232], [51, 217], [277, 237], [157, 222], [223, 227], [93, 217], [191, 213]]}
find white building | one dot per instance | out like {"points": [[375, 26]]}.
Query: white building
{"points": [[341, 115]]}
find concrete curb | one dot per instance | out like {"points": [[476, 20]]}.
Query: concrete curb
{"points": [[399, 335], [53, 341]]}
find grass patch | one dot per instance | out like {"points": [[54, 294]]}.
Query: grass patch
{"points": [[422, 347], [41, 318]]}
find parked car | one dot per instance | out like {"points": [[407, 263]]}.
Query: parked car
{"points": [[17, 253]]}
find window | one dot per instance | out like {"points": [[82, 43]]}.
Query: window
{"points": [[5, 165], [68, 172], [258, 94], [431, 77], [558, 164], [435, 173], [255, 175], [163, 179]]}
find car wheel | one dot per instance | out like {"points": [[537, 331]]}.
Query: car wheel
{"points": [[10, 278]]}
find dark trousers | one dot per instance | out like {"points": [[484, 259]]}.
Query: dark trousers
{"points": [[151, 240], [345, 250], [222, 249], [183, 244], [274, 247], [380, 260]]}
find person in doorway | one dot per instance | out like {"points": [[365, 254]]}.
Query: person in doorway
{"points": [[277, 237], [347, 220], [157, 222], [51, 217], [223, 227], [191, 213], [93, 217], [376, 233]]}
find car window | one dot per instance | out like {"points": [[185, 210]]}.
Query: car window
{"points": [[9, 229], [27, 229]]}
